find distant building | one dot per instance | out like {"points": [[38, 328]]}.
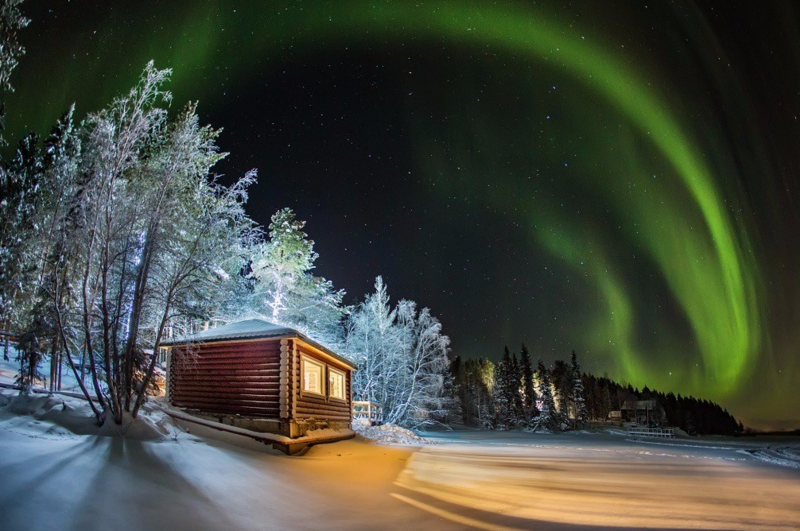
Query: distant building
{"points": [[644, 412]]}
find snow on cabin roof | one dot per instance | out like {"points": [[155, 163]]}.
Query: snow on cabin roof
{"points": [[250, 329]]}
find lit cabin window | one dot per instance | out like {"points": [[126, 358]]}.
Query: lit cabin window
{"points": [[336, 387], [313, 372]]}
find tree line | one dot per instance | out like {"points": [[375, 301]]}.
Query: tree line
{"points": [[512, 394], [693, 415]]}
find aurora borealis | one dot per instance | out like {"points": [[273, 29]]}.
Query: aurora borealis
{"points": [[616, 179]]}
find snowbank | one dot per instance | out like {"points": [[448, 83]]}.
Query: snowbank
{"points": [[785, 456], [151, 425], [10, 368], [391, 434], [62, 415]]}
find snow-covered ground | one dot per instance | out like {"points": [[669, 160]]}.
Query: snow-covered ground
{"points": [[59, 471]]}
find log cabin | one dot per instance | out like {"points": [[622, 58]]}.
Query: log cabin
{"points": [[261, 377]]}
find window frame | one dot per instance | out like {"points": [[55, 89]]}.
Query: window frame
{"points": [[323, 381], [343, 374]]}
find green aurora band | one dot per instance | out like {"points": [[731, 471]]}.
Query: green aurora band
{"points": [[685, 224]]}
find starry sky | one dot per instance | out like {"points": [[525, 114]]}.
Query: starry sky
{"points": [[619, 178]]}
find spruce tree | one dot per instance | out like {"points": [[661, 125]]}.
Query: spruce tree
{"points": [[503, 398], [578, 393], [515, 392], [529, 403], [547, 411], [285, 288], [561, 378]]}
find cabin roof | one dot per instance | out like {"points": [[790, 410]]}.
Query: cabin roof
{"points": [[251, 329]]}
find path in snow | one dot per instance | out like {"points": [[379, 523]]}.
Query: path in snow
{"points": [[569, 481]]}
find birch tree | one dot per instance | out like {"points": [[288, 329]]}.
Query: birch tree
{"points": [[372, 341], [148, 236]]}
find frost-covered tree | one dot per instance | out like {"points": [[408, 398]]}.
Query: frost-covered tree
{"points": [[22, 190], [402, 359], [428, 394], [528, 390], [34, 184], [46, 284], [518, 409], [372, 340], [562, 381], [26, 184], [282, 263], [547, 410], [506, 392], [284, 287], [140, 234], [578, 393], [474, 380], [11, 21], [19, 179]]}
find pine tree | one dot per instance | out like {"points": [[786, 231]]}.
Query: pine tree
{"points": [[547, 410], [578, 394], [285, 287], [23, 189], [18, 191], [529, 403], [481, 382], [372, 342], [503, 395], [561, 378], [515, 393]]}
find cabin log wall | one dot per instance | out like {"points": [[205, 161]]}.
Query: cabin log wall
{"points": [[228, 378]]}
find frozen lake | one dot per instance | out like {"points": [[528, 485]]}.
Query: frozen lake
{"points": [[53, 478]]}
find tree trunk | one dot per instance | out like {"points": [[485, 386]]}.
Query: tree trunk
{"points": [[154, 358]]}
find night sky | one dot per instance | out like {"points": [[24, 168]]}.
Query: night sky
{"points": [[617, 178]]}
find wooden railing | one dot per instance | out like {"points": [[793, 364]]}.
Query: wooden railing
{"points": [[661, 433], [367, 412]]}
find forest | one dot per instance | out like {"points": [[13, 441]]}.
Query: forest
{"points": [[513, 395], [116, 233]]}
